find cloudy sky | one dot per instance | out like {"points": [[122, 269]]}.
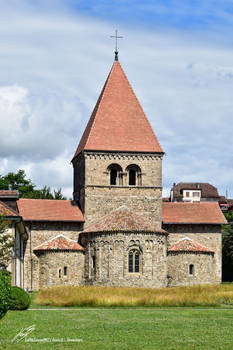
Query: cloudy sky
{"points": [[178, 55]]}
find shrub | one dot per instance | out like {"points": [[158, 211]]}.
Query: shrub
{"points": [[5, 290], [19, 299]]}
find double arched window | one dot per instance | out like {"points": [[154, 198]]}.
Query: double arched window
{"points": [[134, 260], [134, 175], [115, 172]]}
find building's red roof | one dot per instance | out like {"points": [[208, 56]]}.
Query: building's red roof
{"points": [[187, 245], [192, 213], [49, 210], [118, 122], [59, 243], [7, 211], [123, 219], [9, 193]]}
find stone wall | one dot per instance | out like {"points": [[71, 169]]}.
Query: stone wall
{"points": [[178, 268], [101, 198], [51, 262], [111, 259], [206, 235], [40, 232]]}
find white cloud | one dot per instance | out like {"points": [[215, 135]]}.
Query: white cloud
{"points": [[54, 64]]}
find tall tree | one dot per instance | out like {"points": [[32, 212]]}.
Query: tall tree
{"points": [[18, 181], [227, 249]]}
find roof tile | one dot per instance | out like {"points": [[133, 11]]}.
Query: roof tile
{"points": [[7, 211], [59, 243], [49, 210], [123, 219], [192, 213], [118, 122], [187, 245]]}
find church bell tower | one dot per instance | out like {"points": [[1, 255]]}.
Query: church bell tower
{"points": [[119, 159]]}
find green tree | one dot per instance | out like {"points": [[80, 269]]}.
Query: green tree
{"points": [[18, 181], [6, 243], [227, 248]]}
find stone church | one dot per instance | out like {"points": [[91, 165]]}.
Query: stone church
{"points": [[117, 231]]}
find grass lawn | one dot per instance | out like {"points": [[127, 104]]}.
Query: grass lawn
{"points": [[121, 328]]}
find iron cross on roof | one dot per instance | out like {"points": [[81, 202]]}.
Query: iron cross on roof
{"points": [[116, 49]]}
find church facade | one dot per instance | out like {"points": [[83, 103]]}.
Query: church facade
{"points": [[117, 231]]}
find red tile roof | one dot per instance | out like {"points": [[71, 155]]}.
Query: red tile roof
{"points": [[187, 245], [49, 210], [123, 219], [192, 213], [7, 211], [118, 122], [9, 193], [59, 243]]}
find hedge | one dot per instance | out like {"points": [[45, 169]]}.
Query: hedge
{"points": [[5, 291]]}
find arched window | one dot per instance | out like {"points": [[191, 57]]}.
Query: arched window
{"points": [[191, 269], [134, 175], [134, 261], [113, 177], [59, 273], [115, 172]]}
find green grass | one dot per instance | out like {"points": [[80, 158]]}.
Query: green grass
{"points": [[207, 295], [122, 328]]}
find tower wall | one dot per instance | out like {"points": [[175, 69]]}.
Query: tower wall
{"points": [[98, 198]]}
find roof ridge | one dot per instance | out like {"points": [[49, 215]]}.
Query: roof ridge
{"points": [[54, 238], [139, 105], [195, 243], [100, 100]]}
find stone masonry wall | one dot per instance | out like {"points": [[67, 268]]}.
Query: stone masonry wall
{"points": [[111, 259], [206, 235], [51, 262], [178, 268], [101, 198], [40, 232]]}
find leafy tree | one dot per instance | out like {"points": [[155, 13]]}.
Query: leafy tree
{"points": [[227, 248], [229, 216], [18, 181], [6, 244]]}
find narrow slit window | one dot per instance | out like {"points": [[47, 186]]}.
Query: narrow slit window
{"points": [[59, 273], [65, 270], [191, 269], [93, 262]]}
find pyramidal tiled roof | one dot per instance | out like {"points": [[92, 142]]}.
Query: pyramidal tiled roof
{"points": [[123, 219], [59, 243], [118, 122], [187, 245]]}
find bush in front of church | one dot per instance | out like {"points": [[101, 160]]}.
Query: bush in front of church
{"points": [[19, 299], [5, 292]]}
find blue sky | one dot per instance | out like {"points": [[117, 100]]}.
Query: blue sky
{"points": [[55, 56]]}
